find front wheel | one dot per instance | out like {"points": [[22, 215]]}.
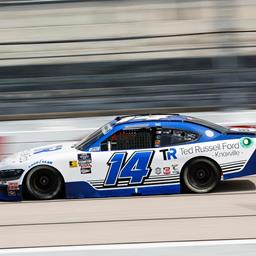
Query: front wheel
{"points": [[44, 182], [201, 176]]}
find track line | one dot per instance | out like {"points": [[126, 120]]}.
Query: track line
{"points": [[127, 220], [71, 246]]}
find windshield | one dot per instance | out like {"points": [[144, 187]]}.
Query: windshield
{"points": [[92, 138]]}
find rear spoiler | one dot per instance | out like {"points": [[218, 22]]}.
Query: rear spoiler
{"points": [[242, 129]]}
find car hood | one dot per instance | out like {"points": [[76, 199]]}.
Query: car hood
{"points": [[26, 155]]}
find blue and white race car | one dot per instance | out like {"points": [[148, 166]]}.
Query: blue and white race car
{"points": [[132, 155]]}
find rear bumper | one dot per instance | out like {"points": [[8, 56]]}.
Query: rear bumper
{"points": [[247, 170]]}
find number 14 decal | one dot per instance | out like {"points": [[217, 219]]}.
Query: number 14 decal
{"points": [[135, 169]]}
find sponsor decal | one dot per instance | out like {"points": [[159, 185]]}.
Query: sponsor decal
{"points": [[158, 171], [175, 169], [169, 154], [73, 164], [84, 161], [86, 170], [209, 133], [86, 165], [85, 158], [49, 149], [223, 149], [40, 162], [167, 170], [246, 142], [11, 193], [12, 188]]}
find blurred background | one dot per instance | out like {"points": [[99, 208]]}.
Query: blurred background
{"points": [[64, 58]]}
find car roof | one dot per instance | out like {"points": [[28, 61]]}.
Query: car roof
{"points": [[151, 117], [170, 118]]}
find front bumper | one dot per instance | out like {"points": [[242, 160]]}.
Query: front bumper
{"points": [[9, 194], [10, 190]]}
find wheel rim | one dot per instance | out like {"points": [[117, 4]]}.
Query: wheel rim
{"points": [[202, 176], [44, 183]]}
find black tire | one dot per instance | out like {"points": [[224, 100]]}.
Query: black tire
{"points": [[201, 176], [44, 182]]}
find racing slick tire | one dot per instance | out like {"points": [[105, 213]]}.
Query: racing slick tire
{"points": [[44, 182], [201, 175]]}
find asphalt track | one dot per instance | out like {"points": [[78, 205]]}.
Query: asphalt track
{"points": [[228, 213]]}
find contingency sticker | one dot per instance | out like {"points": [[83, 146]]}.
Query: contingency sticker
{"points": [[84, 161], [167, 170], [73, 164], [85, 158], [86, 170]]}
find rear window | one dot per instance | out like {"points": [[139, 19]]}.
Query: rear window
{"points": [[207, 124]]}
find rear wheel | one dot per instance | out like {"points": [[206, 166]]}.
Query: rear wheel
{"points": [[44, 182], [201, 176]]}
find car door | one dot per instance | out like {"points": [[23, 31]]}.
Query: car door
{"points": [[139, 160], [124, 160]]}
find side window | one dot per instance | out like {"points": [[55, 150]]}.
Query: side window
{"points": [[130, 139], [174, 136]]}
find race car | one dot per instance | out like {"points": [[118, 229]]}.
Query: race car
{"points": [[132, 155]]}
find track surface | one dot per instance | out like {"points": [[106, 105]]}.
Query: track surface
{"points": [[228, 213]]}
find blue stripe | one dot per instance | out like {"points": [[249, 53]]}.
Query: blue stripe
{"points": [[83, 189]]}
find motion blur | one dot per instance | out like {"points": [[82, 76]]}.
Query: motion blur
{"points": [[71, 58]]}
